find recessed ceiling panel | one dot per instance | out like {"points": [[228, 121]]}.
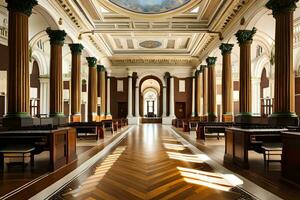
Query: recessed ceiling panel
{"points": [[150, 6]]}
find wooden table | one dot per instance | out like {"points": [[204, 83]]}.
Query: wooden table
{"points": [[89, 127], [16, 149], [238, 141], [212, 127], [60, 142]]}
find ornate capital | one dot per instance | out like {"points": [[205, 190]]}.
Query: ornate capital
{"points": [[202, 67], [76, 48], [167, 75], [92, 61], [244, 36], [278, 6], [23, 6], [56, 36], [101, 68], [226, 48], [211, 61]]}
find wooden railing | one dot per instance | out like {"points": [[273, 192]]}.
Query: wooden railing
{"points": [[266, 107]]}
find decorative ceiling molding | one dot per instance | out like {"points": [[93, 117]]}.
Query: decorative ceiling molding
{"points": [[166, 61]]}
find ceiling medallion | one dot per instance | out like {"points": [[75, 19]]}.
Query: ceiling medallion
{"points": [[150, 7], [150, 44]]}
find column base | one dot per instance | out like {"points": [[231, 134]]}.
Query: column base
{"points": [[211, 117], [76, 118], [243, 119], [17, 121], [283, 119], [133, 120], [167, 120], [227, 118]]}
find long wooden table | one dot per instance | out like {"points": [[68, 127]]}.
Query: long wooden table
{"points": [[211, 127], [238, 141], [60, 142], [89, 127]]}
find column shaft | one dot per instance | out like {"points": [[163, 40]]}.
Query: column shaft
{"points": [[56, 80], [199, 92], [284, 99], [18, 71], [129, 96], [92, 89], [76, 82], [137, 104], [164, 101], [245, 38], [103, 96], [227, 87], [108, 114], [172, 98], [205, 93], [212, 94], [193, 97]]}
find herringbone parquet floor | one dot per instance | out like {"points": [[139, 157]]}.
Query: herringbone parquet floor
{"points": [[151, 164]]}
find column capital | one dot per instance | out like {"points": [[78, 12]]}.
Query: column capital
{"points": [[202, 67], [101, 68], [211, 61], [167, 75], [244, 36], [23, 6], [56, 36], [76, 48], [92, 61], [278, 6], [226, 48]]}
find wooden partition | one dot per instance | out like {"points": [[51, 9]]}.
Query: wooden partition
{"points": [[60, 142]]}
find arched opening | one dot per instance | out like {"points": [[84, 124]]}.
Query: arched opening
{"points": [[35, 90], [150, 102], [151, 97], [265, 94]]}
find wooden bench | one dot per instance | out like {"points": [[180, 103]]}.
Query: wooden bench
{"points": [[17, 149], [271, 149]]}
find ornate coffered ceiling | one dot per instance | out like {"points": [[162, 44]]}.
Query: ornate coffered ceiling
{"points": [[137, 29]]}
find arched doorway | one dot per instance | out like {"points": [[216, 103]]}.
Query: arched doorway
{"points": [[35, 90], [151, 100]]}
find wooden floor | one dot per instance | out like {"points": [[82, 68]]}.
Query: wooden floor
{"points": [[152, 164], [268, 179]]}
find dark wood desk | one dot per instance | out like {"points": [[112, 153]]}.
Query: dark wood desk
{"points": [[89, 127], [60, 142], [211, 127], [290, 161], [238, 141]]}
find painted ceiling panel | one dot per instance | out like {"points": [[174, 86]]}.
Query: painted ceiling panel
{"points": [[150, 7]]}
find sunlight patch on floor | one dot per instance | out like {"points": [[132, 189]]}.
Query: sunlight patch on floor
{"points": [[91, 182]]}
